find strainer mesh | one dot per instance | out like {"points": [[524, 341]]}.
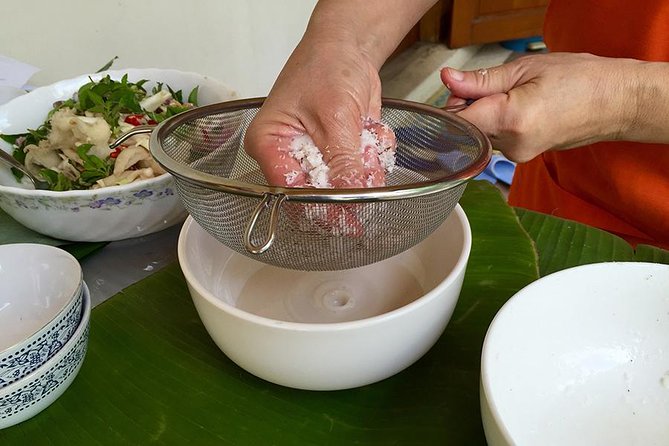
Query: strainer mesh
{"points": [[323, 235]]}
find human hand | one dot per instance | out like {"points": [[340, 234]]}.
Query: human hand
{"points": [[324, 91], [547, 101]]}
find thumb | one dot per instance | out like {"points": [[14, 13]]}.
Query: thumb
{"points": [[480, 83]]}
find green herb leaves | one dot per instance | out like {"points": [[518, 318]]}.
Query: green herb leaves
{"points": [[56, 180], [110, 98], [115, 101], [93, 167]]}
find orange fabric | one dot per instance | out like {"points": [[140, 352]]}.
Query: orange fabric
{"points": [[617, 186]]}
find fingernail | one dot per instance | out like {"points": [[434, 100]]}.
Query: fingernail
{"points": [[456, 75]]}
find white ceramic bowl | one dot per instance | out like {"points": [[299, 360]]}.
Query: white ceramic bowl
{"points": [[35, 392], [581, 357], [7, 93], [40, 306], [107, 214], [326, 330]]}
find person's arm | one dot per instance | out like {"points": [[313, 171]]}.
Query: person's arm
{"points": [[564, 100], [328, 86], [374, 27], [648, 118]]}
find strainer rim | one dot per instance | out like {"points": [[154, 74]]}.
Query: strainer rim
{"points": [[353, 195]]}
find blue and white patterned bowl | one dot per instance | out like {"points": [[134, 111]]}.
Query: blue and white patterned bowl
{"points": [[33, 393], [112, 213], [41, 300]]}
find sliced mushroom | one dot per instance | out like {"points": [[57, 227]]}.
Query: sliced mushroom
{"points": [[151, 103], [125, 177], [129, 157], [41, 157]]}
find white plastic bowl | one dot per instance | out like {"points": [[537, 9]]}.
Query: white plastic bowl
{"points": [[326, 330], [40, 306], [106, 214], [581, 357], [35, 392]]}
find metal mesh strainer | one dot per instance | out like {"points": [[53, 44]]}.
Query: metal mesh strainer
{"points": [[319, 229]]}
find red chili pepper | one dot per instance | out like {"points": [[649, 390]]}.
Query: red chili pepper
{"points": [[117, 151], [134, 119], [152, 122]]}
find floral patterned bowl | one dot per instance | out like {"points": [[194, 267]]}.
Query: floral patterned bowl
{"points": [[107, 214], [33, 393], [40, 306]]}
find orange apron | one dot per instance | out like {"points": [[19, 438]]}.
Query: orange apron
{"points": [[620, 187]]}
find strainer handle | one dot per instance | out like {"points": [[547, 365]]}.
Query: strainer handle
{"points": [[137, 130], [271, 228], [459, 107]]}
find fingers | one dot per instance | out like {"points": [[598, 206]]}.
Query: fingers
{"points": [[338, 138], [480, 83], [378, 147], [374, 175], [485, 113], [454, 101], [499, 110], [271, 149], [281, 168]]}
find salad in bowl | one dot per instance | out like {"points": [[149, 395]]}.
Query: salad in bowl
{"points": [[61, 133]]}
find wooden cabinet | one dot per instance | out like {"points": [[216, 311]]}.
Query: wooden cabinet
{"points": [[460, 23], [484, 21]]}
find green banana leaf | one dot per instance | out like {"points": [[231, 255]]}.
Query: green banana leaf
{"points": [[14, 232], [564, 243], [152, 375]]}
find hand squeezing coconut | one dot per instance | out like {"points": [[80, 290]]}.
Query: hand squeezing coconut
{"points": [[289, 157], [377, 147]]}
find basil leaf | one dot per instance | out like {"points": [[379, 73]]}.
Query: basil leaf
{"points": [[108, 65], [192, 97], [11, 139], [56, 180]]}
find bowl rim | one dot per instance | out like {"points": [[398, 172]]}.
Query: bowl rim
{"points": [[432, 294], [524, 294], [81, 79], [66, 305], [88, 193], [64, 350]]}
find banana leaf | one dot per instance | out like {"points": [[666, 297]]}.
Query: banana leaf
{"points": [[152, 375], [564, 243]]}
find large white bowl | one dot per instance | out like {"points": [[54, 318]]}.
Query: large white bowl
{"points": [[326, 330], [581, 357], [107, 214], [35, 392], [40, 306]]}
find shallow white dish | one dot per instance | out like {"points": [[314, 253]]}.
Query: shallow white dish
{"points": [[581, 357], [7, 93], [107, 214], [40, 306], [326, 330], [35, 392]]}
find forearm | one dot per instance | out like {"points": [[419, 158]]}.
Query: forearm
{"points": [[374, 27], [648, 121]]}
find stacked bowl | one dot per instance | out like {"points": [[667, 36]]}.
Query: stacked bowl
{"points": [[44, 319]]}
